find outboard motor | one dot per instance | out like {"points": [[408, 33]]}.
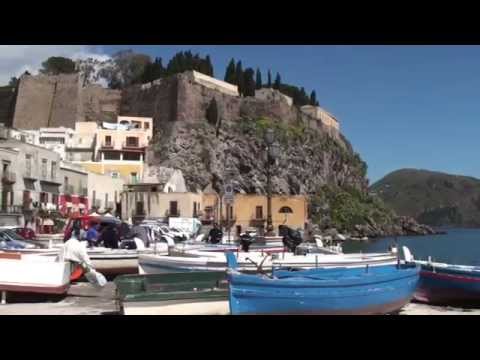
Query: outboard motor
{"points": [[291, 238], [245, 241]]}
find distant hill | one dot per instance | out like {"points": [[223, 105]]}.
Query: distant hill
{"points": [[432, 198]]}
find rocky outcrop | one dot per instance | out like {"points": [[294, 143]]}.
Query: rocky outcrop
{"points": [[238, 154], [402, 225]]}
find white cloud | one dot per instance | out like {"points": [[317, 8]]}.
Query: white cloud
{"points": [[15, 59]]}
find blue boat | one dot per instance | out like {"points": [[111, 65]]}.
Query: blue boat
{"points": [[350, 291], [447, 284]]}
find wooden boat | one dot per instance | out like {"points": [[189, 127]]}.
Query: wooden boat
{"points": [[202, 293], [447, 284], [368, 290], [249, 262], [33, 274]]}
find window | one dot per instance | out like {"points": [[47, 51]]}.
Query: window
{"points": [[6, 165], [259, 212], [106, 200], [116, 199], [146, 125], [44, 168], [54, 170], [65, 180], [108, 140], [173, 208], [133, 177], [139, 208], [43, 197], [94, 194], [28, 165], [132, 141], [194, 209], [54, 199], [230, 211], [22, 138]]}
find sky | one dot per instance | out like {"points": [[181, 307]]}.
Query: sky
{"points": [[400, 106]]}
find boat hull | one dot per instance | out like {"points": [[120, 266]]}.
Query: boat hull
{"points": [[190, 307], [448, 287], [366, 295]]}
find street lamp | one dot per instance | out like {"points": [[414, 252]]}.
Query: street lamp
{"points": [[272, 154]]}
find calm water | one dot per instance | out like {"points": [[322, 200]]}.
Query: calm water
{"points": [[458, 246]]}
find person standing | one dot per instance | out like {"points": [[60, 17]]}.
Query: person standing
{"points": [[110, 237], [92, 234], [75, 253]]}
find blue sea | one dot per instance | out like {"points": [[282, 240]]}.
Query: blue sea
{"points": [[458, 246]]}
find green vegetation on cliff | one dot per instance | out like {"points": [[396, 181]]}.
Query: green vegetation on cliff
{"points": [[431, 197], [343, 208]]}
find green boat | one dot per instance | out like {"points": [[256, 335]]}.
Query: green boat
{"points": [[187, 293]]}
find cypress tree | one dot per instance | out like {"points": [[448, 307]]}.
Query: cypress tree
{"points": [[278, 82], [258, 83], [313, 98], [249, 82], [230, 72], [209, 66], [239, 77], [269, 83]]}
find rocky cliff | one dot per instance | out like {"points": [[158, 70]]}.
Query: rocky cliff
{"points": [[308, 158]]}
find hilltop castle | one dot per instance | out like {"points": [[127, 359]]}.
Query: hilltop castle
{"points": [[62, 100]]}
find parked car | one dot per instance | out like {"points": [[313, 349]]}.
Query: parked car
{"points": [[10, 240]]}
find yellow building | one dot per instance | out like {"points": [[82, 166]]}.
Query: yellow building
{"points": [[145, 201], [250, 211], [114, 149]]}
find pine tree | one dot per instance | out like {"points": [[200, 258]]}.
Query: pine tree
{"points": [[249, 82], [278, 82], [269, 83], [239, 77], [258, 83], [230, 72], [313, 98]]}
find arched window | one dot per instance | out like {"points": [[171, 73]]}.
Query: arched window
{"points": [[285, 210]]}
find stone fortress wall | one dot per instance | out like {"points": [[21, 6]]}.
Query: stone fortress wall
{"points": [[186, 97], [54, 101], [60, 100]]}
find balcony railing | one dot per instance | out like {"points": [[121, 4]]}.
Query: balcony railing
{"points": [[108, 144], [126, 145], [172, 214], [110, 205], [97, 203], [9, 177], [68, 189], [257, 221], [83, 191], [11, 209]]}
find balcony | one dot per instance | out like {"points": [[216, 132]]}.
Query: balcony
{"points": [[131, 146], [107, 145], [51, 179], [9, 177], [11, 209], [172, 214], [256, 222], [68, 189]]}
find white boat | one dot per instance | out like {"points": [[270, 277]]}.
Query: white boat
{"points": [[33, 274], [197, 260]]}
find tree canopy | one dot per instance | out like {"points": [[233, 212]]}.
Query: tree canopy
{"points": [[55, 65]]}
